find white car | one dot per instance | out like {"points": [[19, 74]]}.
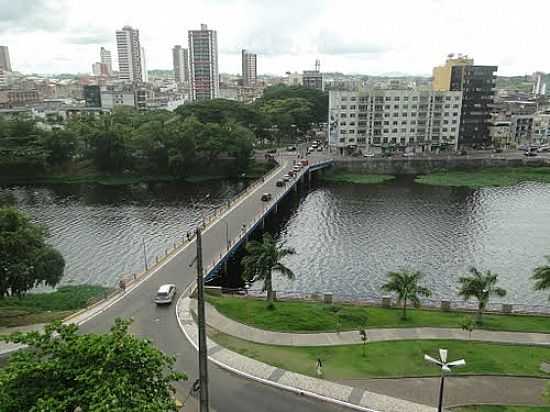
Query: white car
{"points": [[297, 168], [409, 154], [165, 294], [368, 155], [286, 178]]}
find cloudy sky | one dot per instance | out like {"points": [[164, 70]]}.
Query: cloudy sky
{"points": [[350, 36]]}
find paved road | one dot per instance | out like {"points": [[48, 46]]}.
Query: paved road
{"points": [[228, 392]]}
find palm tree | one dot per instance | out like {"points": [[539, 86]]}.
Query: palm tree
{"points": [[264, 258], [405, 284], [541, 276], [481, 286]]}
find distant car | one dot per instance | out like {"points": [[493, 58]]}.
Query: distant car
{"points": [[368, 155], [409, 154], [266, 197], [272, 151], [530, 154], [286, 178], [543, 148], [297, 168], [165, 294], [291, 173], [497, 150], [463, 153], [319, 149], [291, 148], [280, 183]]}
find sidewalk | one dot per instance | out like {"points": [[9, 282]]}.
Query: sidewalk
{"points": [[355, 397], [230, 327]]}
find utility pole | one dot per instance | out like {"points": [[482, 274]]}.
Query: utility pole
{"points": [[203, 355]]}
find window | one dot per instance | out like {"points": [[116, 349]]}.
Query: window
{"points": [[396, 98], [387, 107], [447, 106], [352, 123], [394, 139], [405, 107], [404, 114], [406, 98], [343, 132], [445, 122], [386, 130], [342, 140], [413, 130], [448, 98], [395, 114], [353, 99], [396, 107], [386, 115], [344, 98], [388, 98], [343, 115], [403, 122], [353, 107], [386, 123], [395, 122], [455, 106], [343, 124], [394, 130], [415, 98], [385, 140], [413, 114], [446, 114], [352, 115], [455, 113], [404, 130], [343, 107], [453, 129], [402, 140]]}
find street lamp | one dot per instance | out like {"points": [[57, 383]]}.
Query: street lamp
{"points": [[145, 250], [445, 368]]}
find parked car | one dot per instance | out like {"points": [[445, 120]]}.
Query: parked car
{"points": [[463, 153], [291, 173], [280, 182], [409, 154], [319, 149], [304, 162], [530, 153], [291, 148], [297, 168], [368, 155], [165, 294], [266, 197], [543, 148], [286, 178]]}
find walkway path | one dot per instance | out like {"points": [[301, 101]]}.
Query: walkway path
{"points": [[230, 327]]}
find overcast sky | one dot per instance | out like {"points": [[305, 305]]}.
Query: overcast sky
{"points": [[350, 36]]}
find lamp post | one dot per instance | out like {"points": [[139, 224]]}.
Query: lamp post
{"points": [[145, 250], [445, 368]]}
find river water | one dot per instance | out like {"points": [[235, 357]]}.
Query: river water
{"points": [[347, 237]]}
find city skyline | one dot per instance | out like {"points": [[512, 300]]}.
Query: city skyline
{"points": [[359, 42]]}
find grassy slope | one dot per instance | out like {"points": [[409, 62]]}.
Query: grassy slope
{"points": [[346, 177], [313, 317], [487, 177], [45, 307], [394, 359]]}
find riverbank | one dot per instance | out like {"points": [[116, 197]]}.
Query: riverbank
{"points": [[46, 307], [297, 316], [342, 176], [493, 177], [394, 359]]}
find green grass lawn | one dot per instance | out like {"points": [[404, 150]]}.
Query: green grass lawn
{"points": [[490, 408], [45, 307], [346, 177], [487, 177], [394, 359], [295, 316]]}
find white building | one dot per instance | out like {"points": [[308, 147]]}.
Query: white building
{"points": [[129, 55], [203, 64], [180, 58], [541, 131], [144, 66], [113, 98], [5, 62], [539, 87], [249, 68], [106, 58], [394, 120], [3, 78]]}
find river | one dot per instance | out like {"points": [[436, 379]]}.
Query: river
{"points": [[347, 237]]}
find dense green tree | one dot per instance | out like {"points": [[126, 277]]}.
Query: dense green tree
{"points": [[26, 261], [240, 145], [405, 285], [108, 372], [182, 139], [480, 286], [60, 144], [317, 98], [541, 276], [109, 144], [265, 258]]}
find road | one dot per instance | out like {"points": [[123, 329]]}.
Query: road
{"points": [[228, 392]]}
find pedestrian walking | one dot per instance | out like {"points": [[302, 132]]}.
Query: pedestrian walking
{"points": [[319, 367], [122, 285]]}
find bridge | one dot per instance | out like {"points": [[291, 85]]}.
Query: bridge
{"points": [[223, 233]]}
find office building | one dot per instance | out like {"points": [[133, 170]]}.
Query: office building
{"points": [[313, 79], [478, 86], [383, 120], [180, 58], [129, 55], [539, 86], [203, 64], [5, 62], [145, 74], [100, 70], [92, 95], [106, 58], [249, 66]]}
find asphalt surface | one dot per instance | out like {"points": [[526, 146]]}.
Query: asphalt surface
{"points": [[228, 392]]}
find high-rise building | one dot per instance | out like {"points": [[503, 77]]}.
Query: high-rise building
{"points": [[384, 120], [144, 66], [181, 64], [106, 58], [100, 70], [5, 62], [203, 64], [129, 54], [250, 73], [539, 86], [477, 84]]}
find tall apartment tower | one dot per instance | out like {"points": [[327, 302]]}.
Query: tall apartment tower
{"points": [[181, 64], [203, 64], [145, 74], [106, 59], [129, 54], [5, 62], [477, 84], [249, 68]]}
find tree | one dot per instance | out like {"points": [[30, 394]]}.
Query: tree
{"points": [[26, 261], [264, 258], [541, 276], [363, 336], [468, 324], [481, 286], [239, 144], [60, 144], [405, 284], [65, 370]]}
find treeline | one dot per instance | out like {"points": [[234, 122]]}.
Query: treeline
{"points": [[161, 142]]}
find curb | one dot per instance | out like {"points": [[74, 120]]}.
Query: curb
{"points": [[262, 380]]}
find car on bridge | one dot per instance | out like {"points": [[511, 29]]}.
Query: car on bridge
{"points": [[266, 197], [286, 178], [165, 294], [280, 182]]}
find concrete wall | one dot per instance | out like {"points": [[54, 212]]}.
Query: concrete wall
{"points": [[423, 166]]}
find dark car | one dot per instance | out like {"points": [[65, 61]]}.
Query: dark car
{"points": [[280, 183], [530, 154], [266, 197], [272, 151], [463, 153]]}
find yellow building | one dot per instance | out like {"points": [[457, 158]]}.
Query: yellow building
{"points": [[442, 74]]}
